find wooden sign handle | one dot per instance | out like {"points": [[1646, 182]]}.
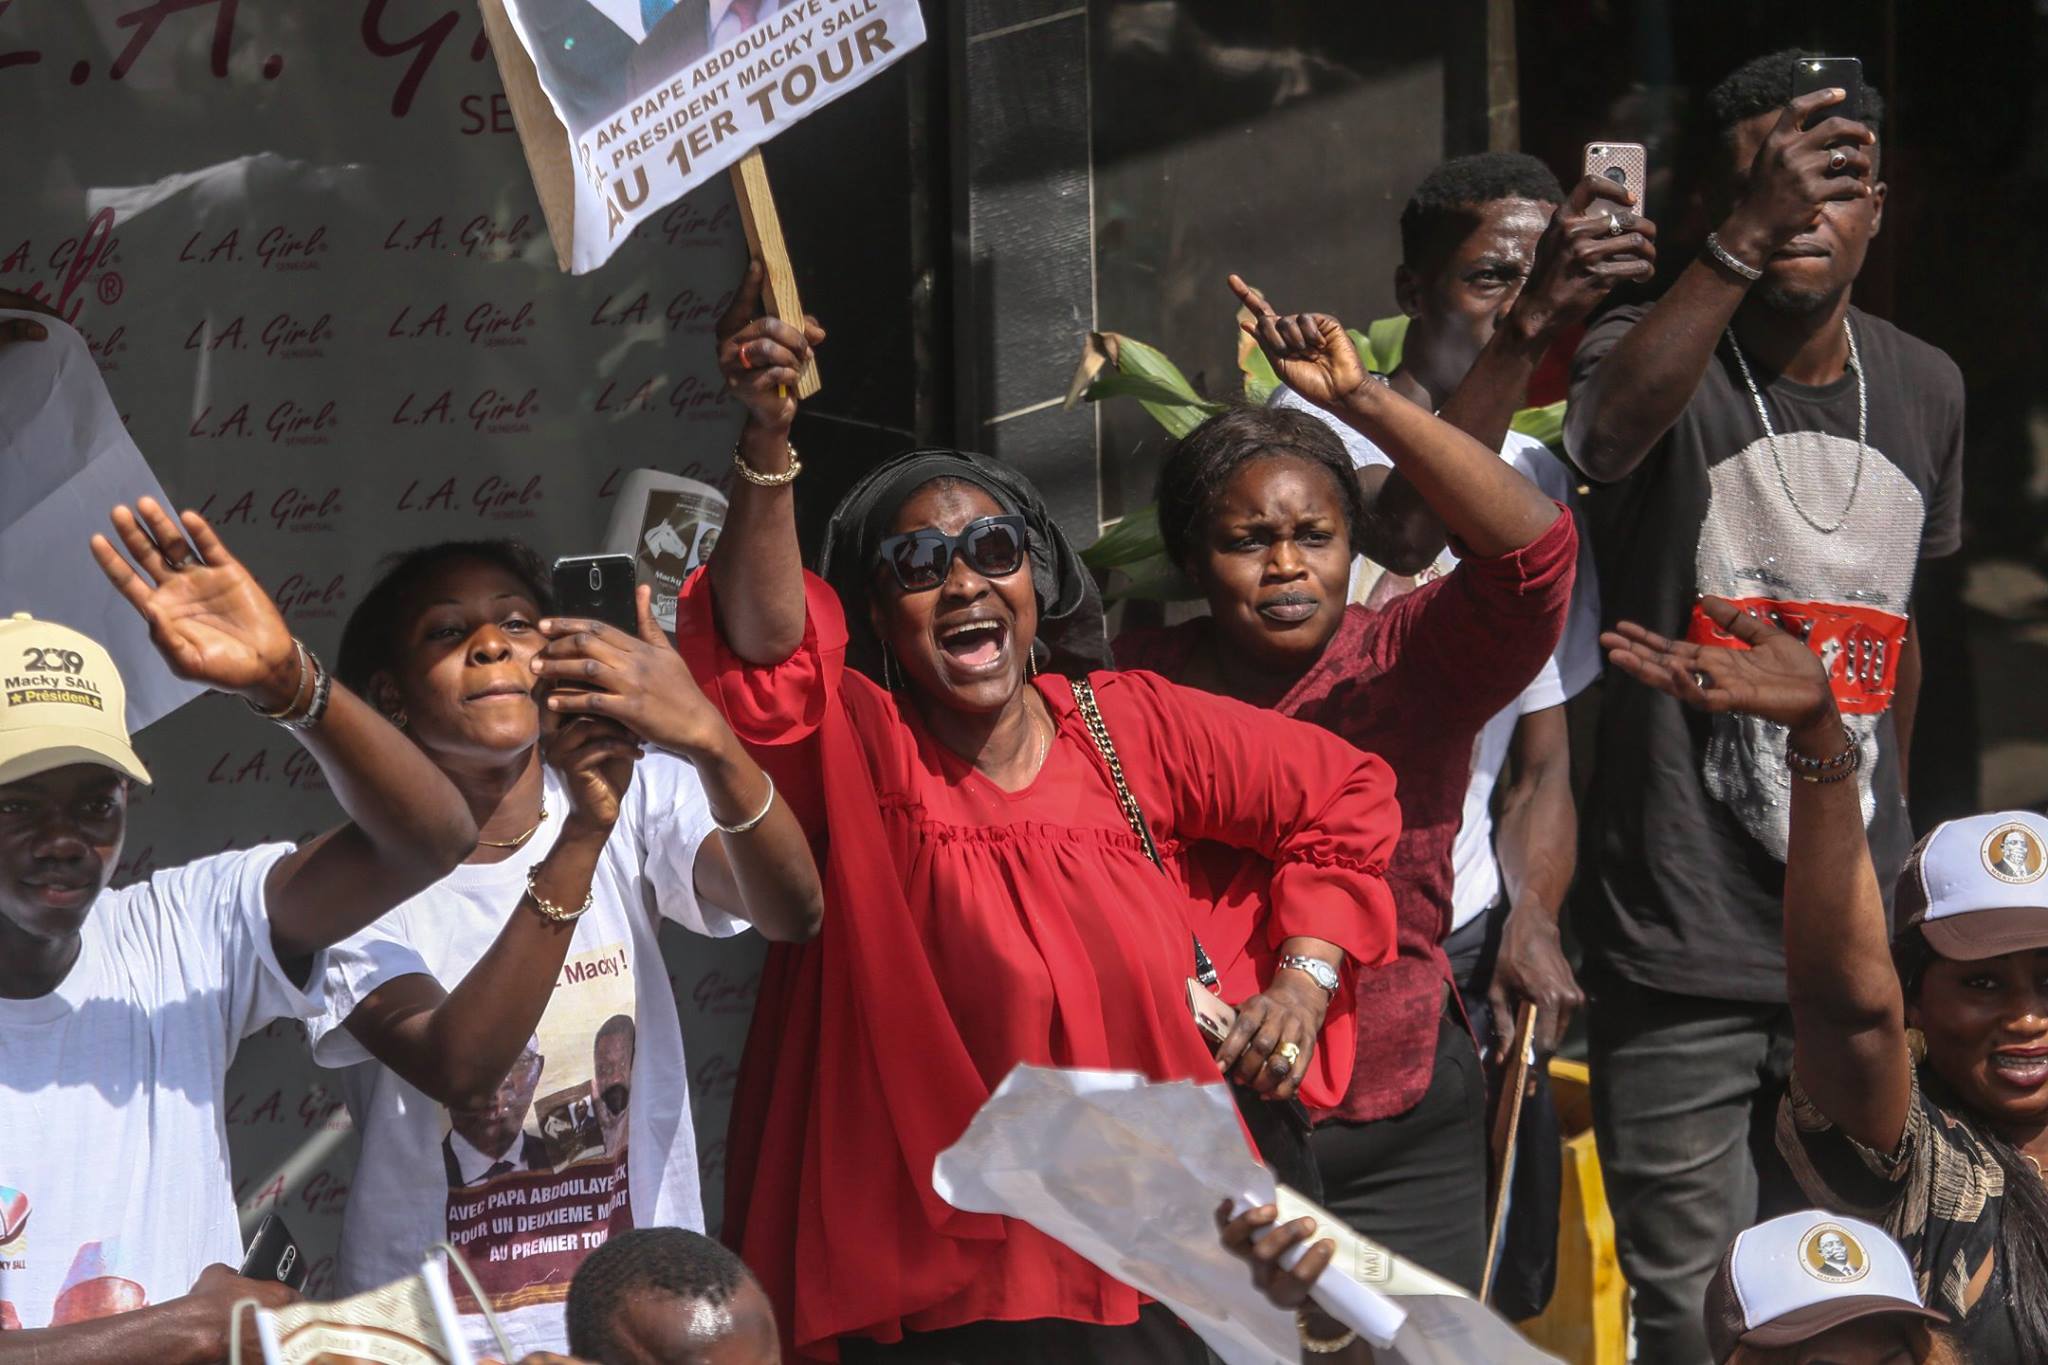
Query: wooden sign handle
{"points": [[764, 241], [1507, 1132]]}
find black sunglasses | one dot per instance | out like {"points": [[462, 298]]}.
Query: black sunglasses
{"points": [[992, 546]]}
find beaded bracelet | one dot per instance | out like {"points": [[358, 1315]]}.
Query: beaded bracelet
{"points": [[549, 910], [1846, 764]]}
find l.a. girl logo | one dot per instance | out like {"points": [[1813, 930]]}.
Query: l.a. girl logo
{"points": [[279, 247], [684, 224], [303, 598], [482, 237]]}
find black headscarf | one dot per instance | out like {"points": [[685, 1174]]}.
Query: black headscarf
{"points": [[1069, 608]]}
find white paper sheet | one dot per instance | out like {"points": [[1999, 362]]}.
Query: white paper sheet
{"points": [[1128, 1174], [65, 460]]}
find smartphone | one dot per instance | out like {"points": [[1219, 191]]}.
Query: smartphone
{"points": [[273, 1255], [1212, 1016], [1826, 73], [599, 587], [1625, 163]]}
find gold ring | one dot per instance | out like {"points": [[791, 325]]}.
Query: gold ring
{"points": [[1287, 1053]]}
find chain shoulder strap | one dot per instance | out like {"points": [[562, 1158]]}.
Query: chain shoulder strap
{"points": [[1091, 716]]}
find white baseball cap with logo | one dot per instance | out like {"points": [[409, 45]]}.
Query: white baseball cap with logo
{"points": [[1978, 887], [61, 702], [1793, 1278]]}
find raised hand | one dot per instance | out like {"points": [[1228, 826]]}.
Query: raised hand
{"points": [[1595, 241], [1310, 352], [1796, 173], [595, 758], [207, 615], [762, 357], [637, 680], [1776, 678]]}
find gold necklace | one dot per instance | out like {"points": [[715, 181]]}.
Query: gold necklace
{"points": [[515, 843]]}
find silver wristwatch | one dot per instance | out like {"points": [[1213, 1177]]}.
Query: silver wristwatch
{"points": [[1318, 971]]}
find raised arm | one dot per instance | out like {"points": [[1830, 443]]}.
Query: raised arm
{"points": [[458, 1046], [1481, 500], [191, 1329], [757, 572], [1848, 1011], [214, 624], [764, 874], [1638, 390], [1595, 241]]}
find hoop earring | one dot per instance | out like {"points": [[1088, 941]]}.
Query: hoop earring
{"points": [[1031, 660], [397, 718], [888, 670]]}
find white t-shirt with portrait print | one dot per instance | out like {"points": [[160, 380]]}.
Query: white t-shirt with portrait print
{"points": [[1571, 667], [591, 1133], [114, 1183]]}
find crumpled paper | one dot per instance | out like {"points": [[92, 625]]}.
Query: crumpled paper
{"points": [[1128, 1173]]}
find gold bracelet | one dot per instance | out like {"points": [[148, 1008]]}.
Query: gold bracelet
{"points": [[549, 910], [1317, 1345], [299, 652], [756, 477]]}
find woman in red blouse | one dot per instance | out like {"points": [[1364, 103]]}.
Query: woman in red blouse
{"points": [[988, 903], [1262, 510]]}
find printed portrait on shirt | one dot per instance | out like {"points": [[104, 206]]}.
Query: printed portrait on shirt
{"points": [[537, 1179], [1845, 592]]}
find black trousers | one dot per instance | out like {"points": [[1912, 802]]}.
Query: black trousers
{"points": [[1416, 1182], [1156, 1338]]}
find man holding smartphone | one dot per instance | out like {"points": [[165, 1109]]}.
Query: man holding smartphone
{"points": [[1498, 262], [1757, 438]]}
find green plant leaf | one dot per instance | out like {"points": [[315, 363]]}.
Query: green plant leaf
{"points": [[1135, 370], [1546, 424]]}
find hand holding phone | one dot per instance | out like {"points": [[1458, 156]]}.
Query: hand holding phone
{"points": [[1811, 74], [1624, 163], [273, 1255], [599, 588]]}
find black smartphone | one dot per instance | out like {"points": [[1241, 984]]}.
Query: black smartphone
{"points": [[1827, 73], [599, 587], [273, 1255]]}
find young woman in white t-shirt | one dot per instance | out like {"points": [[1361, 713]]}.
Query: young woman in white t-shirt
{"points": [[515, 1063]]}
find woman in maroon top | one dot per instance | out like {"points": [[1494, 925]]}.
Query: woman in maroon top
{"points": [[1261, 509], [987, 901]]}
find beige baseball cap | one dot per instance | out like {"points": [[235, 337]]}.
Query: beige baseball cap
{"points": [[61, 702], [1978, 887], [1792, 1278]]}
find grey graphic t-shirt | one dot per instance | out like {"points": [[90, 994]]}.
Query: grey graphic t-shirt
{"points": [[1685, 827]]}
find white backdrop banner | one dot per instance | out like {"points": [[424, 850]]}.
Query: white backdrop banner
{"points": [[303, 248], [657, 95]]}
